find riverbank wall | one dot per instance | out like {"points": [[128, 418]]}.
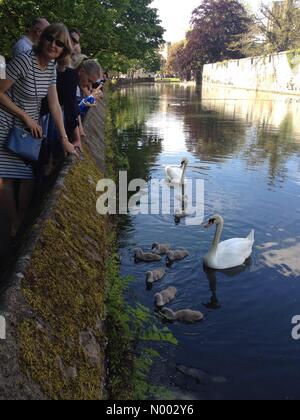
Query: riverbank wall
{"points": [[137, 81], [277, 73], [54, 304]]}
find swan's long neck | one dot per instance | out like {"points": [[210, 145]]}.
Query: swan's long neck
{"points": [[217, 237], [183, 172]]}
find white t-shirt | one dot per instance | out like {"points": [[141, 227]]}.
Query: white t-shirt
{"points": [[24, 45]]}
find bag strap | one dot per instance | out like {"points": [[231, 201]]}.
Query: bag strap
{"points": [[35, 86]]}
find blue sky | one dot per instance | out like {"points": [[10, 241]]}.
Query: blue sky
{"points": [[176, 14]]}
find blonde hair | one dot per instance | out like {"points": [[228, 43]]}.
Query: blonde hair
{"points": [[77, 60], [91, 67], [57, 29], [88, 65]]}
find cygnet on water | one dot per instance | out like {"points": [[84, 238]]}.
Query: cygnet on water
{"points": [[139, 255], [177, 255], [161, 249], [186, 315], [155, 275], [166, 296]]}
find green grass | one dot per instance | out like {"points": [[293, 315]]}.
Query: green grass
{"points": [[168, 80], [66, 286]]}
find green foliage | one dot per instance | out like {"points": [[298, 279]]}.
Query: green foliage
{"points": [[156, 334], [114, 31], [294, 58], [173, 64], [274, 29]]}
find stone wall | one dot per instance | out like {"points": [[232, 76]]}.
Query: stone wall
{"points": [[126, 82], [279, 73]]}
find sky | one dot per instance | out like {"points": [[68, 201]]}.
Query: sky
{"points": [[176, 14]]}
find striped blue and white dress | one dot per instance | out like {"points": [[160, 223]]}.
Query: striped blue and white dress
{"points": [[20, 71]]}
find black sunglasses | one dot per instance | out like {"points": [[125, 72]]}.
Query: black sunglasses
{"points": [[51, 39], [75, 40]]}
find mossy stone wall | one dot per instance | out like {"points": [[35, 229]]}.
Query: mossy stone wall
{"points": [[55, 304]]}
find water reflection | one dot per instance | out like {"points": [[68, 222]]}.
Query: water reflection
{"points": [[271, 133], [211, 275], [212, 280], [286, 260], [259, 108]]}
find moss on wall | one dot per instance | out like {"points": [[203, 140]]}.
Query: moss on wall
{"points": [[293, 58], [62, 348]]}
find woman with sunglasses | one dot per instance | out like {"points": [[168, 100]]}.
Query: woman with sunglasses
{"points": [[29, 78]]}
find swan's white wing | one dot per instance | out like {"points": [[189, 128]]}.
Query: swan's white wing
{"points": [[233, 253], [173, 173]]}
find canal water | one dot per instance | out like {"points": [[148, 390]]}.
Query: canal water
{"points": [[246, 148]]}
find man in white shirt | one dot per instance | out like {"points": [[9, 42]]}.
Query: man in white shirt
{"points": [[26, 43]]}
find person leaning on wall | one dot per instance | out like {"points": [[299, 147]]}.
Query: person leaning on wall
{"points": [[75, 36], [29, 78], [83, 73], [26, 43]]}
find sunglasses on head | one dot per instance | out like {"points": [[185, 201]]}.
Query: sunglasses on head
{"points": [[51, 39]]}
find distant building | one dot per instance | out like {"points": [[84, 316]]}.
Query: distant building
{"points": [[164, 50], [139, 74]]}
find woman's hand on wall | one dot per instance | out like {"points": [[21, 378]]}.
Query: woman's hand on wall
{"points": [[69, 148]]}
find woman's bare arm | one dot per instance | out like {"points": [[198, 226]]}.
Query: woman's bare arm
{"points": [[13, 109]]}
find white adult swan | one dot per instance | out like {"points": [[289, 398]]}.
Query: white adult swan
{"points": [[227, 254], [176, 174]]}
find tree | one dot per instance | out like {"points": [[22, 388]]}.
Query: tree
{"points": [[122, 29], [175, 62], [275, 28], [215, 25]]}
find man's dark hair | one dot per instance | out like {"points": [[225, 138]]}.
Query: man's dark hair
{"points": [[74, 31]]}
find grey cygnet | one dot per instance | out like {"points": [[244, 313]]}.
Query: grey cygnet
{"points": [[166, 296], [139, 255]]}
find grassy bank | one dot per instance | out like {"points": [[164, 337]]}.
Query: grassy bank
{"points": [[62, 348], [168, 80]]}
